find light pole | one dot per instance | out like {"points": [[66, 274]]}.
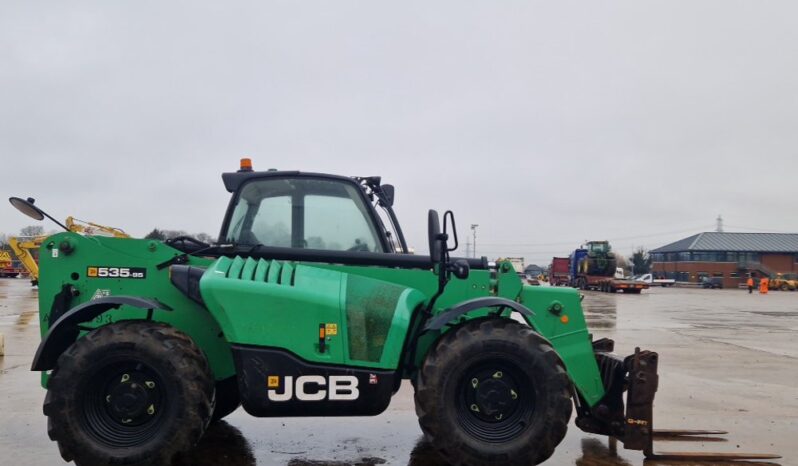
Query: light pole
{"points": [[474, 243]]}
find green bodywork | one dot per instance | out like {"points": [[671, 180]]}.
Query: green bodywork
{"points": [[366, 310]]}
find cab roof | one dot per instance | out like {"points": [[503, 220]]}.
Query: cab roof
{"points": [[234, 180]]}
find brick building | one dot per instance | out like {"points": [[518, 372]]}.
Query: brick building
{"points": [[728, 255]]}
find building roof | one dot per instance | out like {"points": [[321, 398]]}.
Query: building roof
{"points": [[735, 242]]}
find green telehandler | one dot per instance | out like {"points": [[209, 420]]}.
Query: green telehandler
{"points": [[310, 305]]}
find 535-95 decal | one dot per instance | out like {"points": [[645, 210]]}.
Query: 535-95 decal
{"points": [[95, 271]]}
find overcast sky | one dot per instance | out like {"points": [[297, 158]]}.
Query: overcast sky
{"points": [[546, 123]]}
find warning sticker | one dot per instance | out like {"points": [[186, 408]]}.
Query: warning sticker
{"points": [[273, 381], [331, 329], [100, 294]]}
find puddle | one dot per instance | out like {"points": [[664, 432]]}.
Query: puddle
{"points": [[26, 317], [601, 310], [225, 444], [776, 314]]}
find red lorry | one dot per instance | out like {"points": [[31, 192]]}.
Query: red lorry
{"points": [[558, 276]]}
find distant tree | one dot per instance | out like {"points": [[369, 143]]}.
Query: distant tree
{"points": [[156, 234], [32, 230], [205, 238], [621, 262], [316, 242], [641, 261], [164, 235], [169, 234]]}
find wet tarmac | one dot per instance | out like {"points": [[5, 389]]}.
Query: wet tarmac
{"points": [[728, 361]]}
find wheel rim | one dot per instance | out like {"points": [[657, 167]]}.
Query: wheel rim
{"points": [[496, 401], [122, 403]]}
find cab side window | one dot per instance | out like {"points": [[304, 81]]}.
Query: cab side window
{"points": [[272, 225], [335, 223], [303, 213]]}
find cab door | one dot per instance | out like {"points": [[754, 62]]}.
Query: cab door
{"points": [[283, 304]]}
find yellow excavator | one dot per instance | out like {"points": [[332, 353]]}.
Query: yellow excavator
{"points": [[22, 246], [7, 269]]}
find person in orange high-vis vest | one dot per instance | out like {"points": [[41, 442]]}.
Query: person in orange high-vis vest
{"points": [[763, 285], [750, 284]]}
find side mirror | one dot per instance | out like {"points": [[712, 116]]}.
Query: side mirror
{"points": [[26, 207], [447, 218], [387, 194], [439, 248], [460, 269], [439, 253], [436, 246]]}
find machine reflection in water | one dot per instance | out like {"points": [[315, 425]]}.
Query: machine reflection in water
{"points": [[601, 310], [222, 444], [225, 444]]}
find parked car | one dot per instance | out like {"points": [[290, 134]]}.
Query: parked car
{"points": [[712, 282]]}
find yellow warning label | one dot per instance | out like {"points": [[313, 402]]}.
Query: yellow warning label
{"points": [[273, 381], [92, 272], [331, 329]]}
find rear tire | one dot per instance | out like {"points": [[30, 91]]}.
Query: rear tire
{"points": [[129, 393], [493, 392]]}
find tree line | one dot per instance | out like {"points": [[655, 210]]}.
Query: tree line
{"points": [[163, 235], [157, 233], [25, 232]]}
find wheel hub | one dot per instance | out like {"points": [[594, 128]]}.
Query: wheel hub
{"points": [[493, 395], [124, 403], [496, 400], [131, 401]]}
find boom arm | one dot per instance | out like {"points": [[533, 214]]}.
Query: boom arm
{"points": [[89, 228], [21, 248]]}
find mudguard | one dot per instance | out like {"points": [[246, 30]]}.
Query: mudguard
{"points": [[65, 330], [472, 304]]}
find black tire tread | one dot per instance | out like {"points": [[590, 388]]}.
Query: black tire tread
{"points": [[178, 351], [429, 396]]}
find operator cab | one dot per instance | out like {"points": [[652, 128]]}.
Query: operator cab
{"points": [[598, 247], [291, 209], [303, 212], [314, 217]]}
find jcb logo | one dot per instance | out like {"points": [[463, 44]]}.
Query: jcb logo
{"points": [[311, 388]]}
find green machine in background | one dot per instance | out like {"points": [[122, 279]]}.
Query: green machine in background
{"points": [[309, 305]]}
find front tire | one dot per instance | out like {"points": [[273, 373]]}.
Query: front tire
{"points": [[129, 393], [493, 392]]}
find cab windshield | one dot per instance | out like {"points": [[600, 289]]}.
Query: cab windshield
{"points": [[600, 247], [303, 213]]}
